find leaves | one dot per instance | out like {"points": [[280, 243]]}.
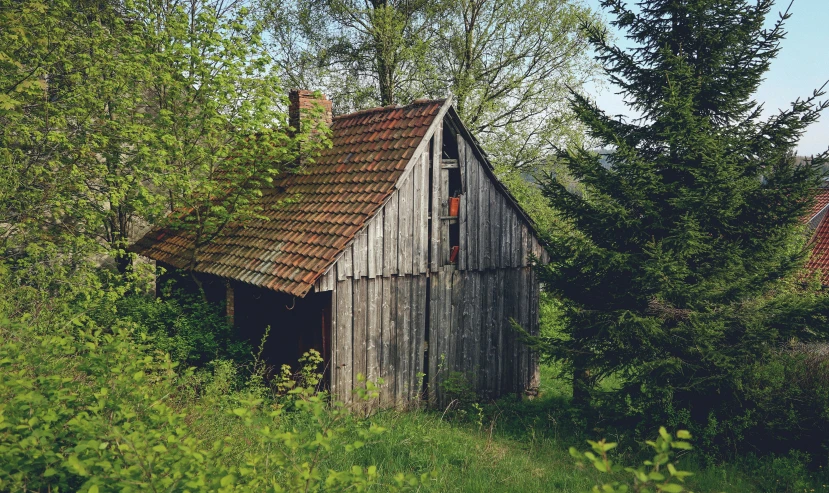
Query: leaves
{"points": [[644, 478]]}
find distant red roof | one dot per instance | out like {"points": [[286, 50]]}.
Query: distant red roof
{"points": [[329, 204], [819, 259], [821, 201]]}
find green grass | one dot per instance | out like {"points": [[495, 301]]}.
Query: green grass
{"points": [[507, 446]]}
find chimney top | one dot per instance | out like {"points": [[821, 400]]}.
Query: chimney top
{"points": [[302, 101]]}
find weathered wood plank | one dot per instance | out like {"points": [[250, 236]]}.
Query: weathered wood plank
{"points": [[419, 209], [495, 225], [499, 328], [484, 219], [419, 336], [473, 262], [404, 226], [434, 347], [404, 323], [344, 340], [535, 374], [506, 215], [374, 293], [437, 193], [358, 254], [389, 342], [371, 242], [444, 224], [360, 334], [491, 357], [462, 227], [390, 236], [526, 244]]}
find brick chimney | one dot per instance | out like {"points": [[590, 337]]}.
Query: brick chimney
{"points": [[303, 101]]}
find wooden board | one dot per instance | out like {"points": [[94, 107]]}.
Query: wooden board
{"points": [[484, 256], [473, 230], [405, 212], [434, 212], [374, 342], [390, 237], [360, 332], [344, 340], [420, 206], [388, 321]]}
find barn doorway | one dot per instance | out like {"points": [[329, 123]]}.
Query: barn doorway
{"points": [[297, 325]]}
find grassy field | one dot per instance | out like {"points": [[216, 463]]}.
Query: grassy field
{"points": [[513, 446]]}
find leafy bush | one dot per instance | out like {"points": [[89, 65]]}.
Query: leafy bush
{"points": [[93, 410], [193, 330], [657, 474]]}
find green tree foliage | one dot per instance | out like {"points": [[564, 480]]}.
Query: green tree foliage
{"points": [[507, 63], [114, 113], [678, 272]]}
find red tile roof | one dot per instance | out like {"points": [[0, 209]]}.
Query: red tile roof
{"points": [[330, 203], [819, 259], [821, 201]]}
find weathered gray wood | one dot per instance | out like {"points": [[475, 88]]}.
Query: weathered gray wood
{"points": [[344, 340], [444, 223], [491, 357], [433, 342], [484, 220], [473, 262], [526, 245], [378, 241], [405, 212], [358, 255], [517, 239], [328, 280], [390, 237], [495, 226], [462, 234], [499, 328], [389, 343], [419, 336], [510, 347], [360, 334], [374, 343], [419, 217], [437, 193], [371, 242], [504, 232], [404, 320], [524, 307]]}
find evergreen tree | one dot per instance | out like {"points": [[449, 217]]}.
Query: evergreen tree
{"points": [[682, 266]]}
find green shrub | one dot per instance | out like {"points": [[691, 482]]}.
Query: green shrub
{"points": [[193, 330], [93, 410], [656, 474]]}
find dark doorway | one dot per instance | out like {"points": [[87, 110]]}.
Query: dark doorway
{"points": [[297, 324]]}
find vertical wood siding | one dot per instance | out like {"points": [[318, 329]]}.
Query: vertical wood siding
{"points": [[394, 280]]}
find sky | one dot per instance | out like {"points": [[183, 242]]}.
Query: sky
{"points": [[801, 67]]}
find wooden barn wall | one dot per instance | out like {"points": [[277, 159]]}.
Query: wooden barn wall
{"points": [[394, 283], [481, 343], [378, 330], [492, 234]]}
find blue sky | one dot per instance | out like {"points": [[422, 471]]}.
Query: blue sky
{"points": [[801, 67]]}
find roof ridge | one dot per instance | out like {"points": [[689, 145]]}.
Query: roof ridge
{"points": [[377, 109]]}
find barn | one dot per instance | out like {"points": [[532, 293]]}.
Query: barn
{"points": [[398, 256]]}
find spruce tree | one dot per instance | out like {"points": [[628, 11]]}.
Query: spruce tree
{"points": [[687, 239]]}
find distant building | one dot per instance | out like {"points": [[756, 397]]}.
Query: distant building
{"points": [[818, 221]]}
